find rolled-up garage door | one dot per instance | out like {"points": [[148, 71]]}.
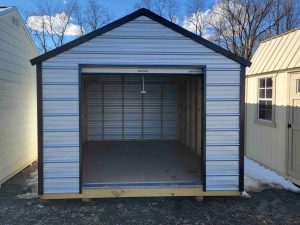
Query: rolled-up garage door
{"points": [[118, 111]]}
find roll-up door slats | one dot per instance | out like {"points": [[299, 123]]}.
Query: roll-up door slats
{"points": [[119, 111]]}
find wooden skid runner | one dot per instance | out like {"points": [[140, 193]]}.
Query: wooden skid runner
{"points": [[155, 192]]}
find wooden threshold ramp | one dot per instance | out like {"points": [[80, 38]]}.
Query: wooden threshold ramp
{"points": [[136, 192]]}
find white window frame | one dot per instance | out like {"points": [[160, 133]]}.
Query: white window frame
{"points": [[272, 99]]}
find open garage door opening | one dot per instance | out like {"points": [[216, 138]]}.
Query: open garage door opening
{"points": [[141, 130]]}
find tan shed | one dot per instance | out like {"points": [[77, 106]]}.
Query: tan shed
{"points": [[18, 122], [273, 105]]}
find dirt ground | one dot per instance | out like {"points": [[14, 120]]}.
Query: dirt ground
{"points": [[267, 207]]}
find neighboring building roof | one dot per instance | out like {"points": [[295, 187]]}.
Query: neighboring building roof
{"points": [[278, 53], [130, 17], [5, 10]]}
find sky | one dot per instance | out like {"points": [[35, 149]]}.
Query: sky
{"points": [[119, 7]]}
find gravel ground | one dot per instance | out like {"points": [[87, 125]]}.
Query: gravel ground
{"points": [[267, 207]]}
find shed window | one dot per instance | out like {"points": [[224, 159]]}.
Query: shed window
{"points": [[298, 86], [265, 108]]}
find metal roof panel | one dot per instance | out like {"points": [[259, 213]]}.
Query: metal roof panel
{"points": [[277, 53]]}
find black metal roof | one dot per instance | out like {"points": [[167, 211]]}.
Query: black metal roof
{"points": [[130, 17]]}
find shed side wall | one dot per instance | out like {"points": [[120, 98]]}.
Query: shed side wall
{"points": [[18, 133], [139, 42], [267, 144]]}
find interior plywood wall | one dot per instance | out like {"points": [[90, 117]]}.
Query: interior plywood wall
{"points": [[189, 108]]}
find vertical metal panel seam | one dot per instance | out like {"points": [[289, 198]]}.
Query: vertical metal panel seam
{"points": [[242, 129], [142, 115], [80, 129], [184, 117], [161, 111], [203, 132], [186, 113], [39, 80], [85, 111], [191, 109], [178, 113], [123, 107], [102, 99], [177, 110], [196, 114]]}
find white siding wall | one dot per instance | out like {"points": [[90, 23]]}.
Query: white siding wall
{"points": [[143, 42], [18, 133]]}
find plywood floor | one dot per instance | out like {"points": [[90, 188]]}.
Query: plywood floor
{"points": [[139, 162]]}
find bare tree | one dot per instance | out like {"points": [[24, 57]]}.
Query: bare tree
{"points": [[286, 13], [145, 4], [49, 23], [238, 25], [80, 18], [291, 19], [96, 15], [172, 12], [195, 15], [52, 23], [38, 35], [165, 8], [160, 6], [91, 17]]}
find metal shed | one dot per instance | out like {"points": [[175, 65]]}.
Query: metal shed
{"points": [[140, 107], [18, 116], [272, 100]]}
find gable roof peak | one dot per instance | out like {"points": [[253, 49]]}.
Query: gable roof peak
{"points": [[130, 17]]}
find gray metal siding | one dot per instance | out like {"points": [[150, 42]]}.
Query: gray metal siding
{"points": [[61, 131], [143, 42], [222, 130]]}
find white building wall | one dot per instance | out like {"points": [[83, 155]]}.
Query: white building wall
{"points": [[139, 42], [18, 122]]}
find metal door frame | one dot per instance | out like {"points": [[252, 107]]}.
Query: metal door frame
{"points": [[143, 72]]}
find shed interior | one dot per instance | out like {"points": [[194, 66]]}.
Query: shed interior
{"points": [[141, 129]]}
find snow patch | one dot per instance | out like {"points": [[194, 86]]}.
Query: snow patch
{"points": [[246, 195], [29, 195], [32, 184], [258, 178], [33, 179]]}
